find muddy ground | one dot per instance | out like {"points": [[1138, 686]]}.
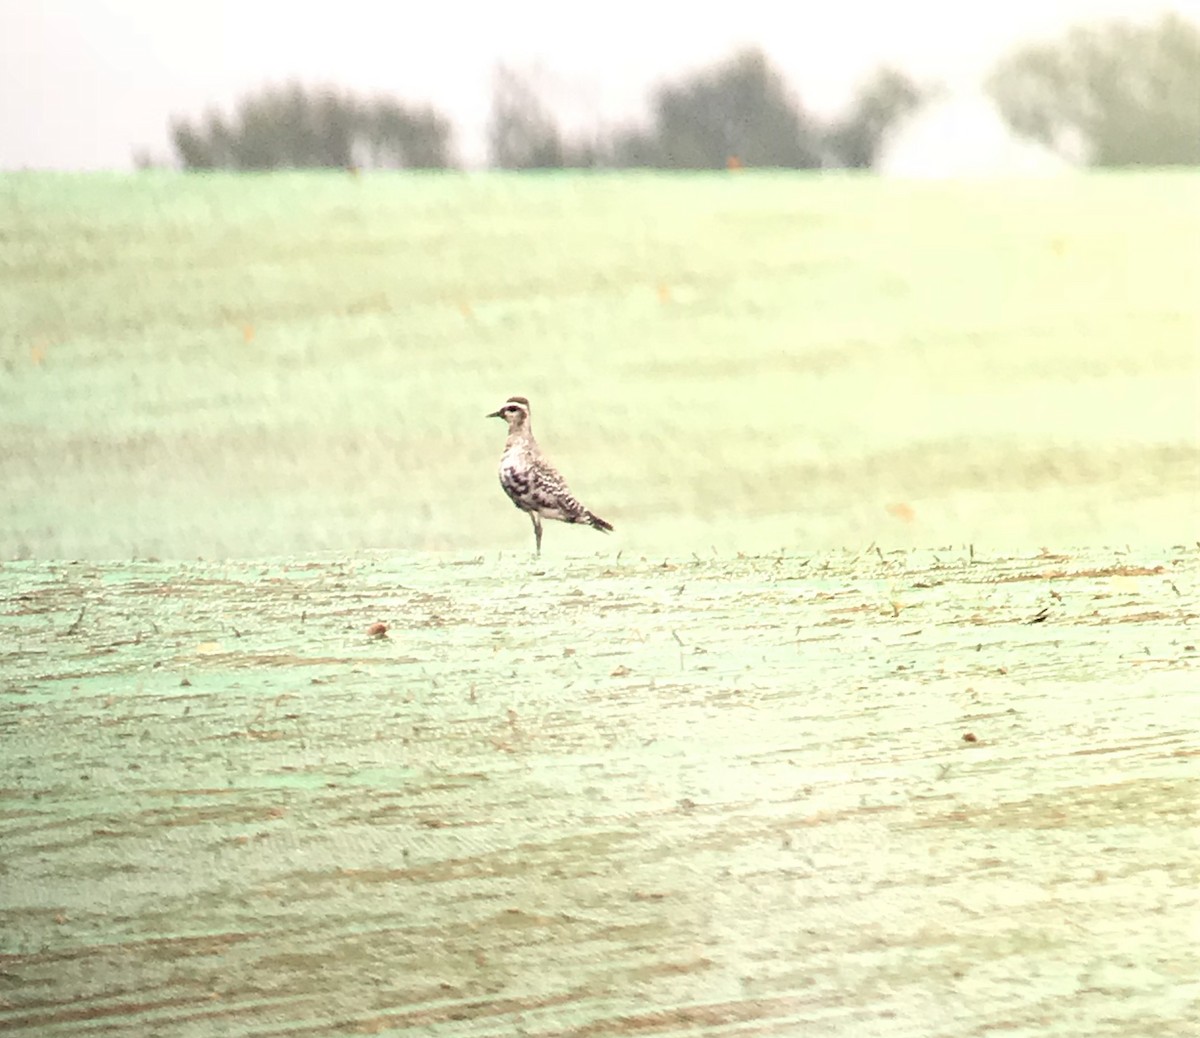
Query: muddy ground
{"points": [[843, 794]]}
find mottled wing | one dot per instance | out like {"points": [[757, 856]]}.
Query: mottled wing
{"points": [[551, 496]]}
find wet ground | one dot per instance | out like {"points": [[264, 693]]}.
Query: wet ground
{"points": [[926, 793]]}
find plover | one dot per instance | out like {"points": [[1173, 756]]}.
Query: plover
{"points": [[532, 483]]}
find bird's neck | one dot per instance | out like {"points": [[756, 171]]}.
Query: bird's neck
{"points": [[518, 438]]}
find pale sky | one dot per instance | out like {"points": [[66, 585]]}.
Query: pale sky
{"points": [[83, 83]]}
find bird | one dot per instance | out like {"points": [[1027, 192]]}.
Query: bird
{"points": [[530, 481]]}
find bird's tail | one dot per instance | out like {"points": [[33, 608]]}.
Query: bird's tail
{"points": [[596, 523]]}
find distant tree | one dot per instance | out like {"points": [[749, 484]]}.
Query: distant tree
{"points": [[633, 149], [886, 99], [1126, 94], [200, 148], [740, 110], [397, 135], [523, 134], [294, 127]]}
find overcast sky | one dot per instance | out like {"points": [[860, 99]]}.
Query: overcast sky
{"points": [[85, 82]]}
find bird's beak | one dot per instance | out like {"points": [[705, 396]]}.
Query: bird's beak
{"points": [[494, 414]]}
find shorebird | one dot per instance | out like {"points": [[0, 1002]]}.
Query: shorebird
{"points": [[530, 481]]}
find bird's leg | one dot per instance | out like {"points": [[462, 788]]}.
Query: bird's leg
{"points": [[537, 530]]}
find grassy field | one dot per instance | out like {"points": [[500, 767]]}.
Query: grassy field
{"points": [[836, 734], [244, 366]]}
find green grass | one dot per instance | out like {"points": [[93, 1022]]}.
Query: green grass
{"points": [[615, 794], [270, 364]]}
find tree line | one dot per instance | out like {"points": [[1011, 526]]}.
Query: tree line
{"points": [[1113, 94], [294, 127]]}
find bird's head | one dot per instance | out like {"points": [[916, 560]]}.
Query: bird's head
{"points": [[515, 412]]}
